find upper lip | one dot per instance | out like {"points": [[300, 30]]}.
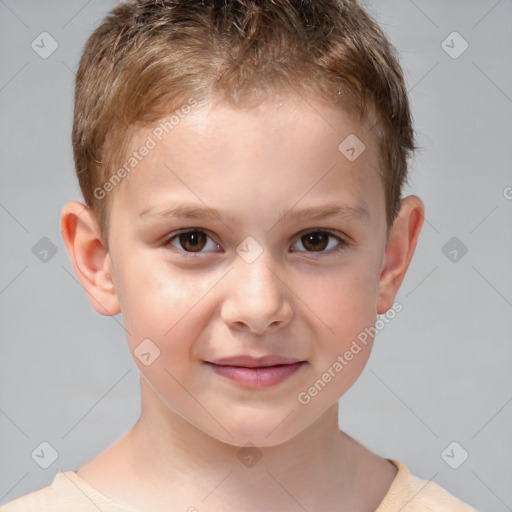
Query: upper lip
{"points": [[254, 362]]}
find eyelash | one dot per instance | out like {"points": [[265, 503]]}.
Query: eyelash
{"points": [[342, 243]]}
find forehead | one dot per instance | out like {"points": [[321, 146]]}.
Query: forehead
{"points": [[284, 150]]}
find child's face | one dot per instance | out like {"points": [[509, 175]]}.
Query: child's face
{"points": [[250, 184]]}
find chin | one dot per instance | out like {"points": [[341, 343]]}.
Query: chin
{"points": [[253, 430]]}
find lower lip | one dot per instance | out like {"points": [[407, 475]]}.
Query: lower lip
{"points": [[256, 378]]}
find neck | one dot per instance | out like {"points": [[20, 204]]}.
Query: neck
{"points": [[164, 462], [174, 455]]}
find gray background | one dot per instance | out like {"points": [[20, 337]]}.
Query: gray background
{"points": [[440, 371]]}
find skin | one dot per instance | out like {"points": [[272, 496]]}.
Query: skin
{"points": [[250, 165]]}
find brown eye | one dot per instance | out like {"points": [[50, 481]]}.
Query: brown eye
{"points": [[316, 241], [192, 241], [321, 242]]}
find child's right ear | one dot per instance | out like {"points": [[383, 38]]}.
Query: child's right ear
{"points": [[89, 257]]}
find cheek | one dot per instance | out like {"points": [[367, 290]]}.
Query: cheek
{"points": [[344, 305], [170, 308], [347, 306], [344, 301]]}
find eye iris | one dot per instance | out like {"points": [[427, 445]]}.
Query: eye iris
{"points": [[317, 241], [192, 241]]}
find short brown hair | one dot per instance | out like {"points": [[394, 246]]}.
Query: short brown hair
{"points": [[149, 57]]}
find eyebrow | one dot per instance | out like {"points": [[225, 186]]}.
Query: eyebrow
{"points": [[191, 211]]}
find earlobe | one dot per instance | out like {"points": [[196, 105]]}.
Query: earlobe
{"points": [[89, 257], [399, 250]]}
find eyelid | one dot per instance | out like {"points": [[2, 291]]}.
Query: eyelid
{"points": [[320, 230]]}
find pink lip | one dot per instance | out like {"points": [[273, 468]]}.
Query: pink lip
{"points": [[253, 362], [256, 373]]}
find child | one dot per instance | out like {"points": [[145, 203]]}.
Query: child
{"points": [[242, 163]]}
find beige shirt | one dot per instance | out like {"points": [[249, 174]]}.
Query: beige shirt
{"points": [[69, 493]]}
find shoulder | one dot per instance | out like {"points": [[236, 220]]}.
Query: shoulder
{"points": [[409, 493], [46, 497], [67, 493]]}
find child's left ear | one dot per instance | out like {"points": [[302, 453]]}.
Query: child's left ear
{"points": [[399, 250]]}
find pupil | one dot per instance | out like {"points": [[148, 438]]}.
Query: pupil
{"points": [[315, 241], [193, 241]]}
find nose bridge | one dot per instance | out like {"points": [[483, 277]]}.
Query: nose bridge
{"points": [[257, 298], [257, 281]]}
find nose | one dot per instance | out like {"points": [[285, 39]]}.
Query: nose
{"points": [[257, 300]]}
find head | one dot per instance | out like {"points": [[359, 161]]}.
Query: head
{"points": [[242, 164]]}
